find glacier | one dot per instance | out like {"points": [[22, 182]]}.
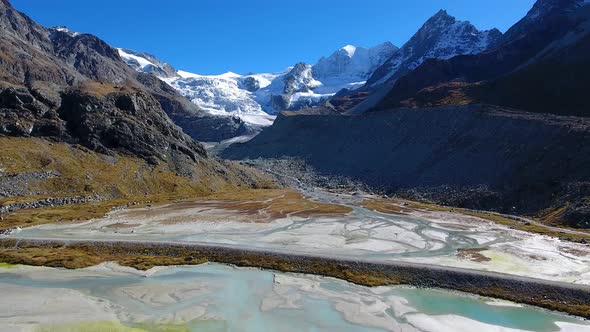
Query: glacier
{"points": [[257, 98]]}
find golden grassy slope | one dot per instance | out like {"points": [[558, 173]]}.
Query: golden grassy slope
{"points": [[118, 179]]}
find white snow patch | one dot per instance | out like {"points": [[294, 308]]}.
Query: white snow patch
{"points": [[143, 62]]}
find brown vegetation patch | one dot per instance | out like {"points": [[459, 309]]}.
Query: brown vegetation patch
{"points": [[473, 254], [575, 252], [85, 256], [451, 93], [100, 89], [76, 256], [384, 206], [275, 204]]}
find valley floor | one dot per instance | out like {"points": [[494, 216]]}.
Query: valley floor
{"points": [[343, 227], [313, 222]]}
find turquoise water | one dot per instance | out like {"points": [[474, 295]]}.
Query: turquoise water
{"points": [[234, 300], [435, 302]]}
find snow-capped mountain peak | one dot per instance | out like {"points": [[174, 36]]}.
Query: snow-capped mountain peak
{"points": [[352, 64], [147, 63], [349, 49], [443, 37], [66, 30]]}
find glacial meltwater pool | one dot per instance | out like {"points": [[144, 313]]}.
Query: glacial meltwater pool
{"points": [[216, 297]]}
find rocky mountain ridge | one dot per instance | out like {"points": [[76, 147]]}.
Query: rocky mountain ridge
{"points": [[543, 69], [147, 63], [441, 37], [256, 98]]}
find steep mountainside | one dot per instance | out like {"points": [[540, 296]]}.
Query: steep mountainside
{"points": [[441, 37], [147, 63], [543, 69], [75, 90], [352, 64], [541, 11]]}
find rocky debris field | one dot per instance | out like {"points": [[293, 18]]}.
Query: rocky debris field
{"points": [[48, 202], [296, 173], [18, 184]]}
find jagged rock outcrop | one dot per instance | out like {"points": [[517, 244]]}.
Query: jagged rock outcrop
{"points": [[131, 120]]}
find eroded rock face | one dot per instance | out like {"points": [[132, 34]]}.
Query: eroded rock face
{"points": [[130, 120], [90, 56], [21, 114]]}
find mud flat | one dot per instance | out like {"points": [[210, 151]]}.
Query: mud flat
{"points": [[569, 298]]}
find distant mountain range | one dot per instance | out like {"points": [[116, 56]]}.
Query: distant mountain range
{"points": [[256, 98]]}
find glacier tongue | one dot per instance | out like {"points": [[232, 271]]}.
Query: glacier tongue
{"points": [[226, 94]]}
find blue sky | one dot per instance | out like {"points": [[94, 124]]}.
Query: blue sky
{"points": [[215, 36]]}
